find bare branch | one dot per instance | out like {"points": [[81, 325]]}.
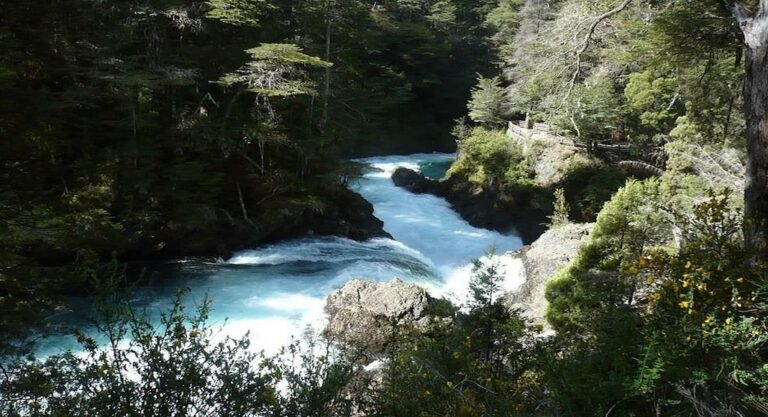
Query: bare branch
{"points": [[588, 39], [673, 101]]}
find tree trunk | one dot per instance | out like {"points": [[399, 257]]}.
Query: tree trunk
{"points": [[756, 114], [262, 149], [754, 27], [134, 118], [242, 202], [327, 89]]}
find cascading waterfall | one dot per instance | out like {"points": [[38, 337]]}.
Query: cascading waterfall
{"points": [[276, 291]]}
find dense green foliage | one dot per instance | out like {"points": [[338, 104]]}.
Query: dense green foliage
{"points": [[647, 70], [488, 159], [166, 128], [175, 368], [130, 129], [648, 325]]}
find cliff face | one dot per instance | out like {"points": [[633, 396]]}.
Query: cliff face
{"points": [[541, 261]]}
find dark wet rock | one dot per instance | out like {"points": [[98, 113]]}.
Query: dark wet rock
{"points": [[414, 181], [351, 216], [488, 209]]}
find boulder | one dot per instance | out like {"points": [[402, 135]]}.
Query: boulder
{"points": [[541, 261], [413, 181], [365, 314]]}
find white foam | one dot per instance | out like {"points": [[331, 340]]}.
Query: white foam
{"points": [[288, 302], [456, 285]]}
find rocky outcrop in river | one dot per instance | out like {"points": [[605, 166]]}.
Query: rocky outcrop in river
{"points": [[480, 208], [365, 314], [541, 261], [414, 181]]}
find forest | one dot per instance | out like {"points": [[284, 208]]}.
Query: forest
{"points": [[630, 135]]}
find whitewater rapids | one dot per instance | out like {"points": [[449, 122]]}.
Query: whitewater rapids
{"points": [[277, 291]]}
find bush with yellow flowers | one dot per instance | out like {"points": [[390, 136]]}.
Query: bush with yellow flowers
{"points": [[706, 326], [647, 324]]}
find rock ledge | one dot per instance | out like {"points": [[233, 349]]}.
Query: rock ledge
{"points": [[541, 261]]}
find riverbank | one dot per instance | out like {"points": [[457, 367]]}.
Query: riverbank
{"points": [[344, 213]]}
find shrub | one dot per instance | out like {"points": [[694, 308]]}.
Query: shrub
{"points": [[559, 216], [706, 328], [489, 158], [645, 325], [625, 227], [479, 363], [176, 368]]}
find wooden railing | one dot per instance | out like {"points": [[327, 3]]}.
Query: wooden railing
{"points": [[540, 132], [616, 152]]}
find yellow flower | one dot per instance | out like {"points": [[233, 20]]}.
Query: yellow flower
{"points": [[684, 304]]}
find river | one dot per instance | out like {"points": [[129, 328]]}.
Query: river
{"points": [[276, 291]]}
